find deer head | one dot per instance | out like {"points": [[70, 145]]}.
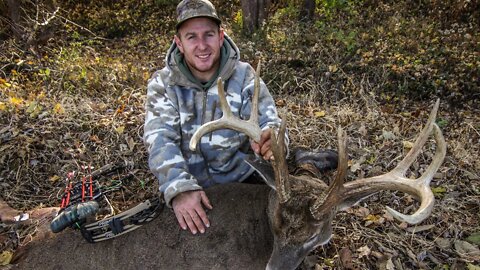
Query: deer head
{"points": [[301, 208]]}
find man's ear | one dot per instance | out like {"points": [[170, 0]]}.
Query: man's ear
{"points": [[222, 36], [178, 41]]}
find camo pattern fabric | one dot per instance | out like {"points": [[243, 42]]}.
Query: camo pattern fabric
{"points": [[176, 107]]}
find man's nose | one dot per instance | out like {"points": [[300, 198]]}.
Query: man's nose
{"points": [[202, 44]]}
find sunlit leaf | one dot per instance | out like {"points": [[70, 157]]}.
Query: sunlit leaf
{"points": [[5, 257], [439, 190], [473, 267], [363, 251], [319, 114], [54, 179], [407, 145], [371, 217], [16, 101], [120, 129], [333, 68], [58, 109]]}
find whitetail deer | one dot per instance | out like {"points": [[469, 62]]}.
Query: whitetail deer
{"points": [[301, 208], [299, 214]]}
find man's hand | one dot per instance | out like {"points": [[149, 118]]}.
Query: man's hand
{"points": [[263, 148], [189, 210]]}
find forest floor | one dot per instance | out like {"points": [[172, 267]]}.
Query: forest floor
{"points": [[375, 69]]}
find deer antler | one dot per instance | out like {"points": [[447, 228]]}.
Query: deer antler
{"points": [[280, 166], [252, 129], [228, 121], [352, 192]]}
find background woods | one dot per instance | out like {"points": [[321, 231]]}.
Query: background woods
{"points": [[72, 88]]}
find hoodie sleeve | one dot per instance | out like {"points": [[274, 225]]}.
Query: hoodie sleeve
{"points": [[162, 137]]}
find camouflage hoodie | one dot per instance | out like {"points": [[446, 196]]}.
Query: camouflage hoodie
{"points": [[177, 106]]}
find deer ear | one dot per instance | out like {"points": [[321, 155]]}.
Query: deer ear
{"points": [[263, 168]]}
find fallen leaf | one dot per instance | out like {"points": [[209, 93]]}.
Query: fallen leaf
{"points": [[346, 258], [280, 102], [443, 243], [16, 101], [333, 68], [474, 238], [473, 267], [388, 135], [362, 212], [407, 144], [467, 250], [362, 130], [363, 251], [131, 143], [54, 179], [58, 109], [355, 167], [319, 114], [5, 257], [438, 190], [120, 129]]}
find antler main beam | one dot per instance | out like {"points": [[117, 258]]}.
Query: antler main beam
{"points": [[228, 121], [393, 180]]}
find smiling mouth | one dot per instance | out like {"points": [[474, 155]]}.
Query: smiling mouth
{"points": [[203, 56]]}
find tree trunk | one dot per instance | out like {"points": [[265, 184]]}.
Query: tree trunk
{"points": [[254, 14], [307, 11], [15, 17]]}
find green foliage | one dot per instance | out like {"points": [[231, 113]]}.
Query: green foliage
{"points": [[330, 8], [441, 122], [238, 21]]}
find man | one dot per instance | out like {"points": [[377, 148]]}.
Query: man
{"points": [[183, 96]]}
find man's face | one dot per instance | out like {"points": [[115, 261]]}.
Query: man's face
{"points": [[200, 40]]}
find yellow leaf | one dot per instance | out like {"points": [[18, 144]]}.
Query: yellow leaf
{"points": [[371, 217], [332, 68], [41, 95], [58, 109], [54, 179], [473, 267], [5, 257], [438, 190], [3, 107], [16, 101], [407, 144], [320, 114], [3, 82], [120, 129]]}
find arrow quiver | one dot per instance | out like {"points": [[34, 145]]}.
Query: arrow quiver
{"points": [[82, 202]]}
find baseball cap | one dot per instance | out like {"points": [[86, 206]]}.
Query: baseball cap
{"points": [[188, 9]]}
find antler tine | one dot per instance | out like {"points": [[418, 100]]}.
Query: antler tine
{"points": [[421, 187], [256, 93], [407, 161], [280, 166], [333, 196], [228, 121]]}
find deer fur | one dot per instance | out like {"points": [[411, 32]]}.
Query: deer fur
{"points": [[239, 238]]}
